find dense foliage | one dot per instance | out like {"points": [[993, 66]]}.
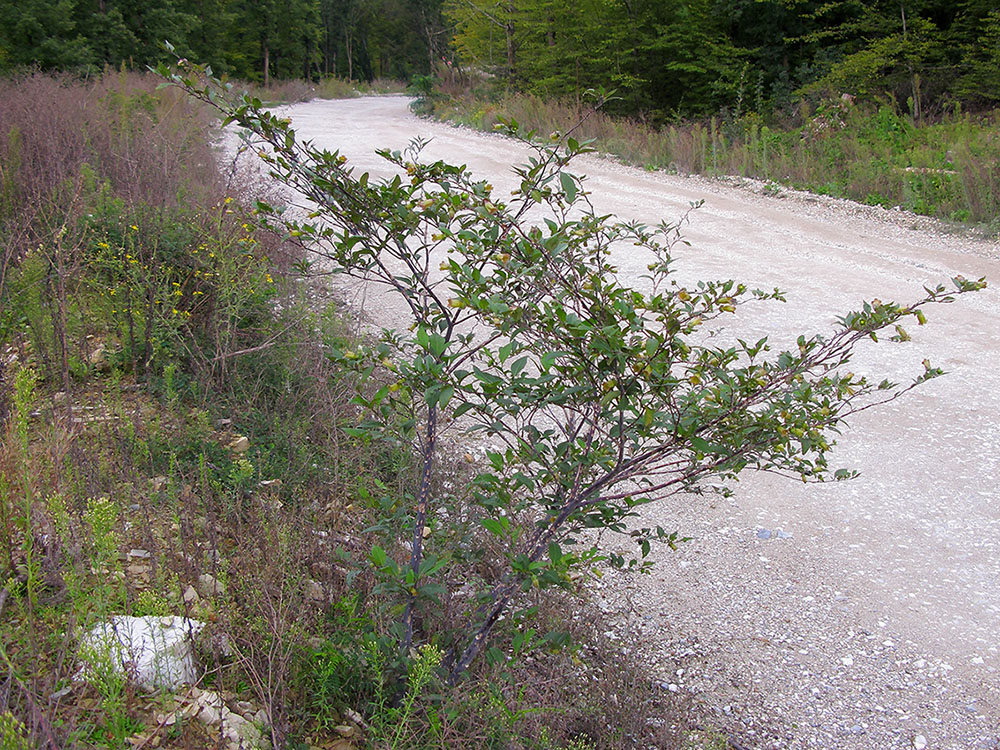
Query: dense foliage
{"points": [[665, 58], [695, 56], [359, 39]]}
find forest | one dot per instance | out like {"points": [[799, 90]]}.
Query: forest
{"points": [[664, 59]]}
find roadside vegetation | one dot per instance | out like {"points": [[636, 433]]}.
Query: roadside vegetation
{"points": [[876, 152], [180, 439]]}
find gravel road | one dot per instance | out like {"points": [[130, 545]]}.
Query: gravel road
{"points": [[862, 614]]}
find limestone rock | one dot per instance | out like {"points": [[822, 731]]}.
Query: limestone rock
{"points": [[239, 733], [98, 357], [239, 444], [314, 590], [209, 585]]}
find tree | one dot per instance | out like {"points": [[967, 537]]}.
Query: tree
{"points": [[43, 33], [596, 398], [279, 38], [486, 34], [980, 81], [659, 57], [694, 67]]}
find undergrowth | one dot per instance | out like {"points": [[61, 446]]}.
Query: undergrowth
{"points": [[175, 442], [297, 90]]}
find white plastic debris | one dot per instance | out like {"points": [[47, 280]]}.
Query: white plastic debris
{"points": [[152, 652]]}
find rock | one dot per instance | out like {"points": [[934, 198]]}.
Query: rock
{"points": [[763, 534], [210, 709], [209, 585], [210, 716], [919, 742], [140, 554], [153, 652], [355, 718], [314, 590], [240, 733], [190, 595], [344, 730], [137, 570], [276, 483], [97, 357], [221, 424], [221, 645], [239, 444]]}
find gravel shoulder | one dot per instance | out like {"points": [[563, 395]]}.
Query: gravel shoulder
{"points": [[855, 615]]}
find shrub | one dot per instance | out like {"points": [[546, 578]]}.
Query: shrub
{"points": [[596, 398]]}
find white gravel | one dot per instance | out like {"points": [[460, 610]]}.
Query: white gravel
{"points": [[872, 620]]}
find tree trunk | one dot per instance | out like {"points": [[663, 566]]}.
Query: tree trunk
{"points": [[267, 63], [350, 55], [419, 521], [509, 34]]}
